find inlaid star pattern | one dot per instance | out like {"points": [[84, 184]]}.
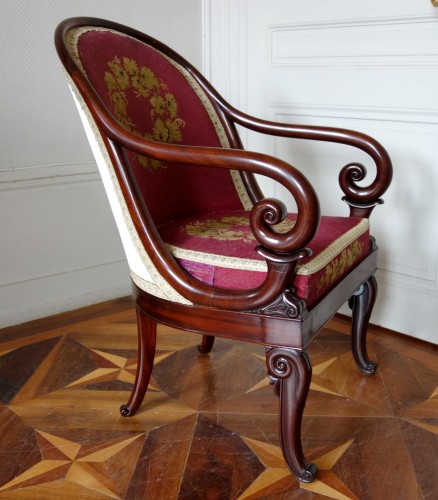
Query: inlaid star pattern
{"points": [[61, 432], [423, 425], [429, 405], [116, 368], [277, 477], [82, 464]]}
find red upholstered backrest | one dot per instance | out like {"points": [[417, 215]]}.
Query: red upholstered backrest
{"points": [[152, 97]]}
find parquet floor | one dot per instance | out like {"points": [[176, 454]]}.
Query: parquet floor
{"points": [[208, 426]]}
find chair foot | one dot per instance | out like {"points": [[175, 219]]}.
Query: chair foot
{"points": [[207, 344], [293, 372], [147, 337], [308, 475], [125, 411], [362, 303]]}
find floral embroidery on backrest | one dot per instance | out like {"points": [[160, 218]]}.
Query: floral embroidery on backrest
{"points": [[125, 75]]}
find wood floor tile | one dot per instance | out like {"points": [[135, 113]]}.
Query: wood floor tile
{"points": [[421, 439], [220, 464], [15, 458], [162, 461], [208, 427], [338, 388], [15, 373], [411, 384]]}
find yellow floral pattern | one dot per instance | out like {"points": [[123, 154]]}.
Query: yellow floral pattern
{"points": [[227, 229], [335, 269], [126, 75]]}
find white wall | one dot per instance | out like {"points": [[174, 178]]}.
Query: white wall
{"points": [[59, 246], [370, 66]]}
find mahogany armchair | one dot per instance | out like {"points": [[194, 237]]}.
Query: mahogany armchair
{"points": [[207, 252]]}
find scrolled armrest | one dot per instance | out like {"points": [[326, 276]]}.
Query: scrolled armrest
{"points": [[282, 251], [265, 214], [360, 198], [269, 212]]}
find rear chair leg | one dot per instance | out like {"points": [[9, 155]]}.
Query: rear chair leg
{"points": [[207, 344], [147, 337], [362, 303], [291, 372]]}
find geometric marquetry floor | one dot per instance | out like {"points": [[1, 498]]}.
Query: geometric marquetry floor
{"points": [[208, 426]]}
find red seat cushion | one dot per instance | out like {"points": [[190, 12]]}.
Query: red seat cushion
{"points": [[219, 249]]}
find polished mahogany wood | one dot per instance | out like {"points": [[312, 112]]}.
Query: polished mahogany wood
{"points": [[362, 303], [291, 371], [207, 344], [274, 330], [268, 314], [147, 339], [289, 367], [265, 214]]}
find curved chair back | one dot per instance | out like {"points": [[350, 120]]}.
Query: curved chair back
{"points": [[151, 92], [200, 235]]}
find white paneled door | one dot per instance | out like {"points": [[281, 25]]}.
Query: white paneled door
{"points": [[370, 66]]}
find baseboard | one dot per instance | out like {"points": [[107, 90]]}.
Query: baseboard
{"points": [[49, 295]]}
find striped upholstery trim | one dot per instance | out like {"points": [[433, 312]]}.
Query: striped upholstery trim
{"points": [[312, 266]]}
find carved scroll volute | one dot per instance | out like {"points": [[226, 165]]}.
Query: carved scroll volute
{"points": [[282, 363], [278, 363], [362, 199], [269, 212]]}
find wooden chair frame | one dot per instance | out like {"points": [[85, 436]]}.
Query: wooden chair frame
{"points": [[268, 314]]}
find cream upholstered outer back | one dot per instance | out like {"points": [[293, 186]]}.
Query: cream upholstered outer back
{"points": [[143, 272]]}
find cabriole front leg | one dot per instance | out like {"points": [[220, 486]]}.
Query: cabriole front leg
{"points": [[291, 372], [362, 303]]}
